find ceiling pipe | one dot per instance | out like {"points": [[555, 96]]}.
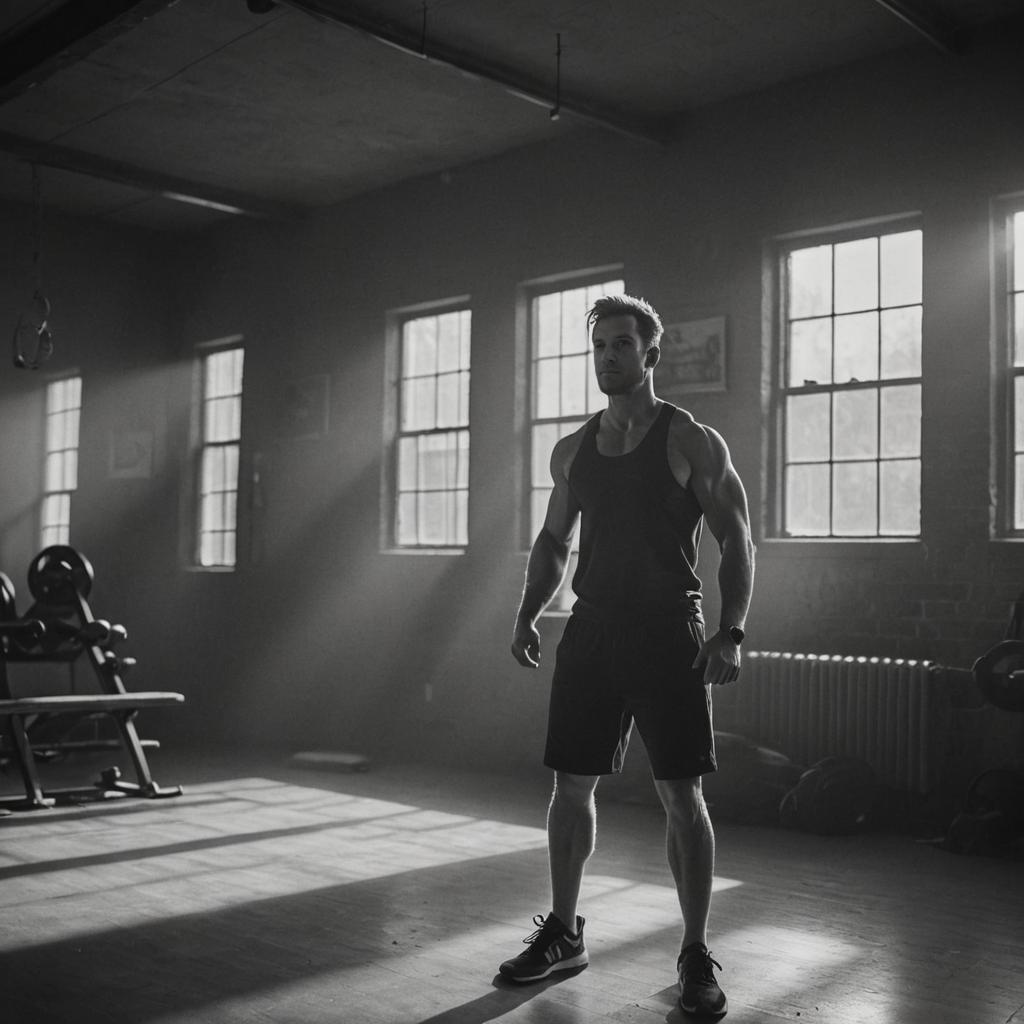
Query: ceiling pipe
{"points": [[62, 158], [413, 43], [945, 35]]}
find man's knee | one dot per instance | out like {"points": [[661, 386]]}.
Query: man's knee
{"points": [[683, 800], [575, 789]]}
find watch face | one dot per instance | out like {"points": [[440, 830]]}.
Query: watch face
{"points": [[736, 634]]}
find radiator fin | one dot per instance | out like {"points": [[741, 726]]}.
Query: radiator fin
{"points": [[811, 706]]}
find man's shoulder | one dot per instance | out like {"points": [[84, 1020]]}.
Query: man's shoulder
{"points": [[690, 437], [563, 453]]}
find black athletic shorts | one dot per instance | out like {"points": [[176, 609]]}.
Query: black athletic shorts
{"points": [[607, 676]]}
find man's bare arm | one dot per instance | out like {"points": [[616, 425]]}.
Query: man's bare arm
{"points": [[549, 557], [721, 495]]}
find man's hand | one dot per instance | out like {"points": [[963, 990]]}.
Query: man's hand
{"points": [[720, 658], [526, 644]]}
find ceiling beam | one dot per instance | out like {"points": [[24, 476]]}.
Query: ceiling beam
{"points": [[947, 36], [513, 81], [45, 154], [62, 37]]}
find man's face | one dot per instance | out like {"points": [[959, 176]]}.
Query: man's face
{"points": [[619, 355]]}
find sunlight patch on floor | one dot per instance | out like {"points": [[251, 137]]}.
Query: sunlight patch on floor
{"points": [[259, 840]]}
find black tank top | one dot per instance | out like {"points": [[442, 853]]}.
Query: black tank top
{"points": [[639, 530]]}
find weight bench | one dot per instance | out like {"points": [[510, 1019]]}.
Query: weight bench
{"points": [[19, 713], [61, 628]]}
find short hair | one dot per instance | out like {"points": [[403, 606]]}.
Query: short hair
{"points": [[647, 320]]}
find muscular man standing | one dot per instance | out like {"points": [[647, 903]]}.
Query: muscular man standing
{"points": [[641, 476]]}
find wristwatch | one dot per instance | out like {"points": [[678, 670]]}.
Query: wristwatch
{"points": [[734, 633]]}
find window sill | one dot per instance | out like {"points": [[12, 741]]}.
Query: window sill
{"points": [[832, 547], [423, 551]]}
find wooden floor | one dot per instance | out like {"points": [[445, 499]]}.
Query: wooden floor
{"points": [[270, 893]]}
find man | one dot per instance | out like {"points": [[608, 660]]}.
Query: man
{"points": [[641, 476]]}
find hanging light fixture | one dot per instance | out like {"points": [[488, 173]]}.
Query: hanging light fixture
{"points": [[33, 340]]}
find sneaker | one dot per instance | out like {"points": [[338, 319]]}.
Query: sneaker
{"points": [[551, 948], [699, 994]]}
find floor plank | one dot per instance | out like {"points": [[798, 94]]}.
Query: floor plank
{"points": [[270, 892]]}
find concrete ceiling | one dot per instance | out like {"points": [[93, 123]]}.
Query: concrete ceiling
{"points": [[174, 114]]}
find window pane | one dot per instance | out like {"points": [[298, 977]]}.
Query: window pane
{"points": [[901, 498], [1018, 488], [574, 321], [807, 500], [901, 268], [419, 403], [543, 439], [810, 282], [901, 421], [546, 388], [856, 348], [449, 342], [856, 282], [461, 502], [807, 428], [432, 518], [810, 352], [901, 342], [214, 475], [419, 349], [449, 399], [407, 461], [1018, 414], [854, 499], [575, 370], [547, 325], [1018, 325], [406, 525], [1018, 252], [70, 482], [462, 444], [855, 424], [53, 476], [223, 419]]}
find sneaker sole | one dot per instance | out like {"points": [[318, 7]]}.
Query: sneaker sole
{"points": [[704, 1015], [559, 965]]}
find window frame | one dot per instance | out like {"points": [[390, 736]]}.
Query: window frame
{"points": [[1005, 260], [396, 319], [62, 527], [201, 445], [776, 321]]}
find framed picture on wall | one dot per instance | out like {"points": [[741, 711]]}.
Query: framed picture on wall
{"points": [[692, 357], [131, 454], [305, 406]]}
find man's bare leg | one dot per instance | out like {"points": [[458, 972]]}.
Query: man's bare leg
{"points": [[690, 843], [572, 831]]}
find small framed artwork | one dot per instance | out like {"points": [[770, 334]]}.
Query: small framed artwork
{"points": [[131, 454], [305, 406], [692, 357]]}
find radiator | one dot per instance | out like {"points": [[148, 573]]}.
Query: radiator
{"points": [[813, 706]]}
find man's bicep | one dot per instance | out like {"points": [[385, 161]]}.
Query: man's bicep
{"points": [[562, 512], [718, 487]]}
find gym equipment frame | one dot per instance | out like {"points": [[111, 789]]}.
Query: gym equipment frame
{"points": [[60, 628]]}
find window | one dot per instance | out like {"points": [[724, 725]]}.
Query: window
{"points": [[220, 437], [563, 390], [431, 508], [1015, 343], [60, 475], [850, 388]]}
